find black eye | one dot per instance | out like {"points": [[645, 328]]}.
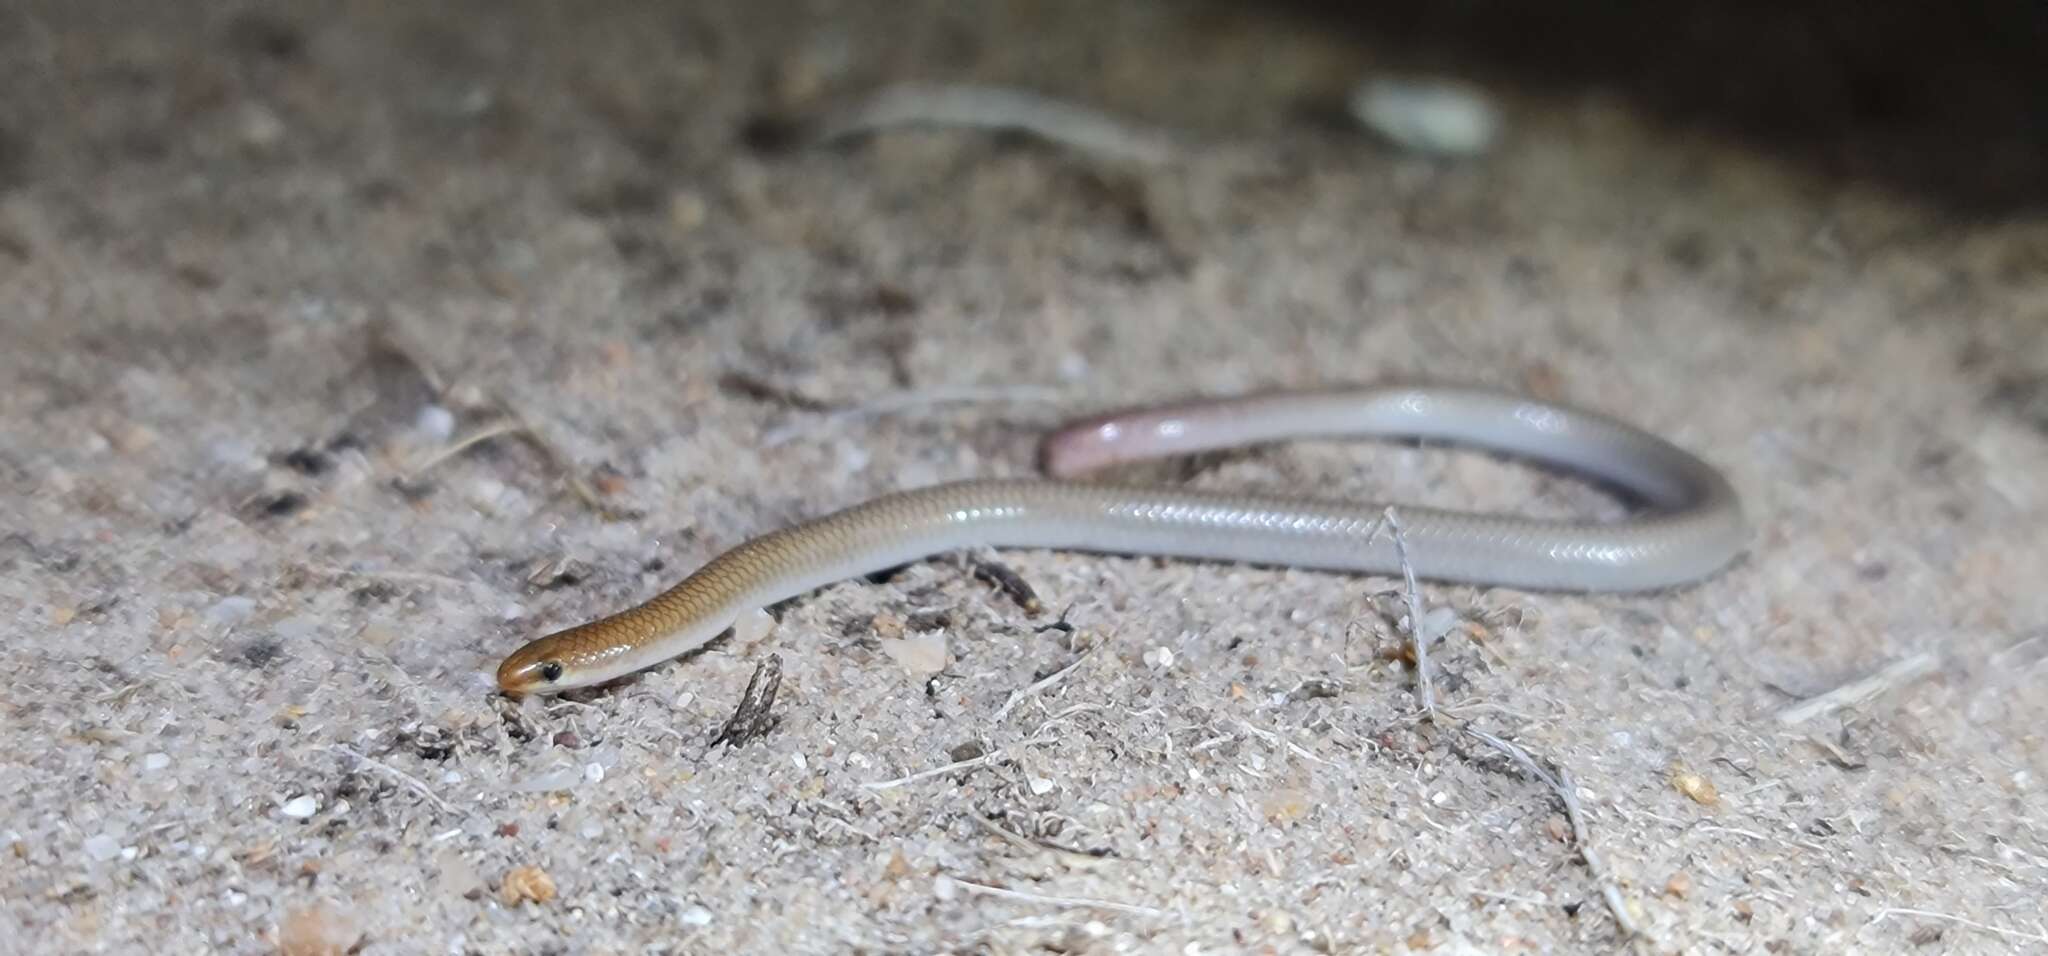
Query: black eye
{"points": [[551, 671]]}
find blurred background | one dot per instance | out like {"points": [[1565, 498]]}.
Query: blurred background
{"points": [[344, 347]]}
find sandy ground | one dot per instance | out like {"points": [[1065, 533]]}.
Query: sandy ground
{"points": [[263, 275]]}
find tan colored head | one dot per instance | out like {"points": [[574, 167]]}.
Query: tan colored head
{"points": [[524, 673], [577, 657]]}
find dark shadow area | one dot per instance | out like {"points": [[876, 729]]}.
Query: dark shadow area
{"points": [[1948, 101]]}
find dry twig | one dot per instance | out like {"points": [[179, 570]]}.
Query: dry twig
{"points": [[1018, 696], [1425, 684], [1072, 859], [1891, 911], [1900, 672], [401, 776], [998, 108], [753, 716], [1561, 783], [958, 765], [983, 889]]}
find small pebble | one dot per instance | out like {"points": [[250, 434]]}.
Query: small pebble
{"points": [[316, 931], [491, 494], [1040, 786], [697, 916], [236, 453], [474, 101], [593, 772], [300, 807], [922, 655], [1438, 623], [1440, 117], [752, 627], [102, 847], [1285, 806], [1557, 827], [1701, 790], [687, 210], [897, 867], [945, 889], [526, 884], [155, 761], [260, 128], [435, 423], [1159, 658], [229, 610]]}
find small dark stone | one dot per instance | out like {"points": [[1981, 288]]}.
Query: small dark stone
{"points": [[1010, 583], [885, 575], [306, 461], [414, 490], [13, 163], [260, 653], [2024, 398], [266, 36], [626, 196], [893, 301], [769, 134], [197, 277], [282, 505], [1689, 250], [1314, 689]]}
